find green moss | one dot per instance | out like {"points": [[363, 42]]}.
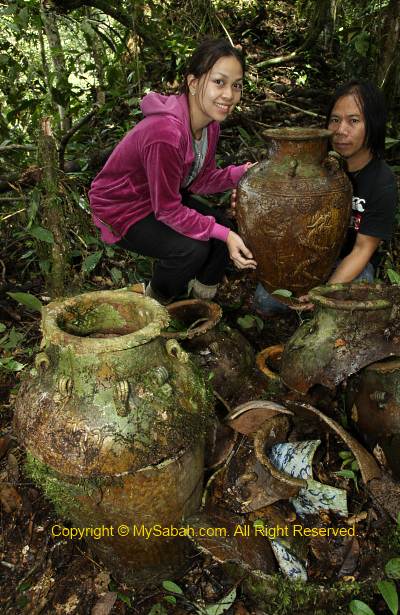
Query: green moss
{"points": [[280, 596], [85, 320], [64, 495]]}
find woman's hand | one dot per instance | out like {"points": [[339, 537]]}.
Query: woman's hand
{"points": [[240, 255]]}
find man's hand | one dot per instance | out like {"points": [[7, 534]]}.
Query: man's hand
{"points": [[304, 304], [240, 255], [232, 209]]}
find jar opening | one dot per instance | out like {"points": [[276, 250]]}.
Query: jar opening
{"points": [[102, 320]]}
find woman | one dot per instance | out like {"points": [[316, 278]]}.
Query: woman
{"points": [[141, 198]]}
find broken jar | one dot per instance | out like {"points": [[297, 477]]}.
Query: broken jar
{"points": [[353, 325]]}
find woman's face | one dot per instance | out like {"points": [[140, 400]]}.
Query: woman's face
{"points": [[214, 95], [347, 122]]}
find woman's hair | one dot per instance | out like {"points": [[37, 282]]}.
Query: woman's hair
{"points": [[372, 103], [206, 54]]}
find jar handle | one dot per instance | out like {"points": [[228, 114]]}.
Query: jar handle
{"points": [[332, 163], [293, 164], [175, 351]]}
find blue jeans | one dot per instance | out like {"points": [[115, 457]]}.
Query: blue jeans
{"points": [[267, 305]]}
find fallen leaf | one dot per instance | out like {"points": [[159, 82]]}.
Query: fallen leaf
{"points": [[5, 444], [339, 343], [12, 468], [10, 498], [104, 605]]}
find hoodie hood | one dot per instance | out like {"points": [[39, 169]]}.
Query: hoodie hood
{"points": [[158, 104]]}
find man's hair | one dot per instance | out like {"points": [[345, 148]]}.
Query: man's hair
{"points": [[372, 102], [207, 54]]}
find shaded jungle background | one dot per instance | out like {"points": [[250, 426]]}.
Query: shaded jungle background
{"points": [[72, 73]]}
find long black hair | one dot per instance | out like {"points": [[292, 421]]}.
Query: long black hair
{"points": [[372, 103], [206, 54]]}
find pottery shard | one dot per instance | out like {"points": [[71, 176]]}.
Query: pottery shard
{"points": [[231, 539]]}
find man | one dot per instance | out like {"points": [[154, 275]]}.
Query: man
{"points": [[357, 118]]}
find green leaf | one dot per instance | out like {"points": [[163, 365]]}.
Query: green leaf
{"points": [[282, 292], [392, 568], [30, 301], [157, 609], [358, 607], [11, 365], [91, 261], [393, 276], [345, 454], [389, 593], [223, 605], [2, 327], [42, 234], [170, 586], [125, 598], [170, 599], [346, 474], [246, 322], [116, 275]]}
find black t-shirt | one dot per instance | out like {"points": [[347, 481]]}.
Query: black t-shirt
{"points": [[374, 205]]}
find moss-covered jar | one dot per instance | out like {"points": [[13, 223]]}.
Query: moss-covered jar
{"points": [[353, 325], [113, 417]]}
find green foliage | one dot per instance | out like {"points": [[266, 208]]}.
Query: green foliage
{"points": [[358, 607], [250, 321], [170, 586], [393, 276], [389, 593], [175, 594], [350, 473], [282, 292], [392, 568], [10, 342], [28, 300]]}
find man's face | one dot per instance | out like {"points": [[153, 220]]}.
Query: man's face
{"points": [[347, 123]]}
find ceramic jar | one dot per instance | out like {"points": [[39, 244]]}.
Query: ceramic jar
{"points": [[293, 210], [113, 418], [352, 325]]}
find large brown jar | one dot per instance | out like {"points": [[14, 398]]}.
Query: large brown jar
{"points": [[113, 419], [293, 210]]}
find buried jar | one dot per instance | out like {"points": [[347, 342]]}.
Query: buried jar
{"points": [[113, 419]]}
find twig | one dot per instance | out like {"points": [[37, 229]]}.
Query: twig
{"points": [[294, 56], [70, 133], [281, 102], [14, 213], [12, 146]]}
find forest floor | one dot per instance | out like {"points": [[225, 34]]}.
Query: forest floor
{"points": [[42, 574]]}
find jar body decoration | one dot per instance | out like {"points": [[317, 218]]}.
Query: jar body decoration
{"points": [[353, 325], [293, 210], [113, 420]]}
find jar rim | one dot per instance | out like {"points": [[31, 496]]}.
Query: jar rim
{"points": [[53, 333], [296, 133], [325, 296]]}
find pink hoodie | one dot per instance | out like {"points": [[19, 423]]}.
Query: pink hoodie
{"points": [[146, 170]]}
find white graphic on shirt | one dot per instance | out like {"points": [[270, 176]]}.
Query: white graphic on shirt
{"points": [[358, 204]]}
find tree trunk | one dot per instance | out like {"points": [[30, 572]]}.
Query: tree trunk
{"points": [[52, 210], [389, 58], [321, 16], [57, 55]]}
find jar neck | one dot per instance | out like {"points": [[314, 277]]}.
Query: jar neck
{"points": [[307, 150]]}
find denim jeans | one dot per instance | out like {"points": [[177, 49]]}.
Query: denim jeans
{"points": [[265, 303]]}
